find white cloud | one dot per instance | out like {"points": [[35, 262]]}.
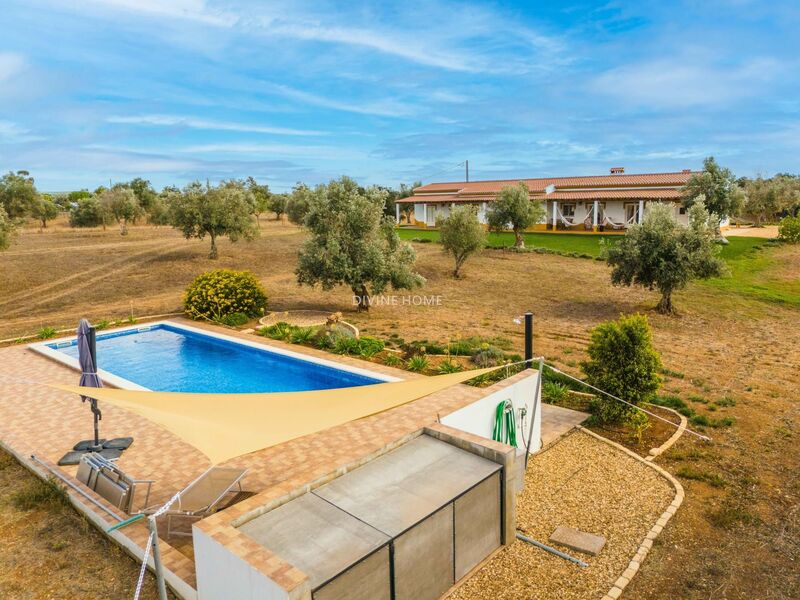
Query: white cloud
{"points": [[685, 82], [383, 108], [192, 10], [195, 123], [306, 151], [10, 132], [11, 64]]}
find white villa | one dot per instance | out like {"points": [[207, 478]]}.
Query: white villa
{"points": [[588, 203]]}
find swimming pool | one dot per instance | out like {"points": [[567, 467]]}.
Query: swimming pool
{"points": [[169, 357]]}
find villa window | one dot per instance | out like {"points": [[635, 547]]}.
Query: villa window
{"points": [[568, 209]]}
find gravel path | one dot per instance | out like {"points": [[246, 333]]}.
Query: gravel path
{"points": [[583, 483]]}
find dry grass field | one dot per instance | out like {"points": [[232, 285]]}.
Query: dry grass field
{"points": [[729, 354]]}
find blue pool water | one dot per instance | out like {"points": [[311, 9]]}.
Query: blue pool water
{"points": [[172, 359]]}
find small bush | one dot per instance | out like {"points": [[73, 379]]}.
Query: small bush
{"points": [[449, 366], [726, 401], [45, 333], [278, 331], [674, 403], [345, 345], [460, 348], [102, 324], [369, 346], [623, 362], [488, 357], [554, 392], [219, 293], [392, 360], [302, 335], [639, 423], [701, 420], [418, 363], [40, 494], [789, 230], [236, 319]]}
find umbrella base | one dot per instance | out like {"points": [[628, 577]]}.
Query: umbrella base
{"points": [[88, 445], [74, 457]]}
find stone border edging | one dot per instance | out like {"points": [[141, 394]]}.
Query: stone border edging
{"points": [[654, 452], [633, 567]]}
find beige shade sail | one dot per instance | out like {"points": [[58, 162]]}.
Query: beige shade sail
{"points": [[223, 426]]}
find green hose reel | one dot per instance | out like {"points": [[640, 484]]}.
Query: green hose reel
{"points": [[505, 424]]}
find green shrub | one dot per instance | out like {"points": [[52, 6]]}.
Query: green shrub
{"points": [[219, 293], [460, 348], [392, 360], [424, 347], [418, 363], [674, 403], [488, 357], [688, 472], [554, 392], [279, 331], [302, 335], [789, 229], [449, 366], [369, 346], [346, 345], [89, 213], [45, 333], [639, 423], [102, 324], [623, 362], [701, 420], [236, 319]]}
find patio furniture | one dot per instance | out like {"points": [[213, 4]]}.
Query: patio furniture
{"points": [[204, 495], [106, 479]]}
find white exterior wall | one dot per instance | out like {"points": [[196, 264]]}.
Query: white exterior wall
{"points": [[221, 575], [478, 418]]}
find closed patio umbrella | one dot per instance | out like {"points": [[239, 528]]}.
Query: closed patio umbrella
{"points": [[87, 358]]}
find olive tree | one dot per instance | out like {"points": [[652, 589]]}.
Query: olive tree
{"points": [[44, 209], [6, 229], [462, 235], [298, 203], [120, 203], [514, 209], [261, 197], [719, 189], [353, 244], [660, 253], [623, 362], [278, 203], [18, 194], [222, 211]]}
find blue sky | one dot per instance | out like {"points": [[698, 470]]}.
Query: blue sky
{"points": [[99, 90]]}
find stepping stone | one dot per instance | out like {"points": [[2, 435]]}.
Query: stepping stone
{"points": [[579, 541], [122, 443]]}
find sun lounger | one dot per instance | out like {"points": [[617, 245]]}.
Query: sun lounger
{"points": [[109, 481], [204, 495]]}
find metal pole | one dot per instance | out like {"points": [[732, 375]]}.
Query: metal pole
{"points": [[162, 588], [528, 339], [467, 163], [536, 397], [552, 550]]}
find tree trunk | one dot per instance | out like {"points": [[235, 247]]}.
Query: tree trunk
{"points": [[519, 240], [362, 297], [213, 254], [44, 224], [665, 304], [123, 227]]}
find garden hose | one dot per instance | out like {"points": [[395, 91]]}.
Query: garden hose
{"points": [[505, 424]]}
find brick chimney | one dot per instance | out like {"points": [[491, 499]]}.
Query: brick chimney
{"points": [[617, 170]]}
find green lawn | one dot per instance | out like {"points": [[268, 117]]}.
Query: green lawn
{"points": [[559, 242], [757, 269]]}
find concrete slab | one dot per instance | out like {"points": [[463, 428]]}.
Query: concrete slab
{"points": [[399, 489], [579, 541], [558, 421], [315, 536]]}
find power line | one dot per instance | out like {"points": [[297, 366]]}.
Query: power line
{"points": [[446, 170]]}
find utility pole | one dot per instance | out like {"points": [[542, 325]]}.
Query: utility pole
{"points": [[467, 166]]}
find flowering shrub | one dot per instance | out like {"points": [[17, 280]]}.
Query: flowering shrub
{"points": [[217, 294], [789, 229]]}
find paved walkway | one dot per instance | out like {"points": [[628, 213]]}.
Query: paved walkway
{"points": [[558, 421]]}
